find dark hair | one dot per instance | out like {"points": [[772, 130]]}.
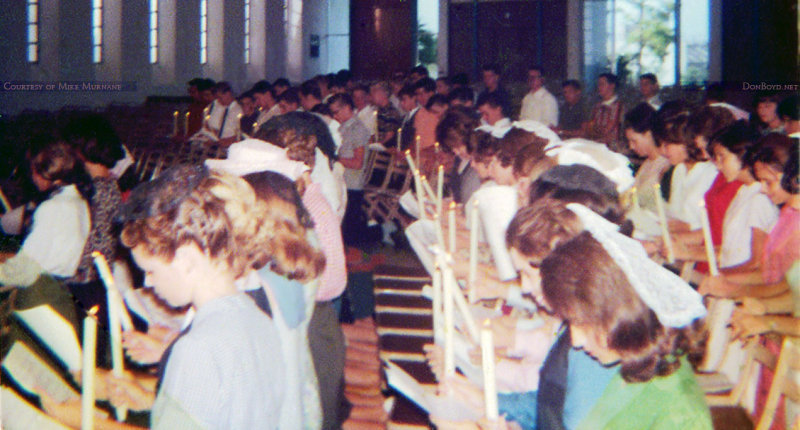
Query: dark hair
{"points": [[455, 128], [715, 92], [574, 83], [767, 97], [788, 108], [223, 87], [641, 118], [738, 138], [444, 79], [420, 70], [262, 87], [205, 84], [672, 126], [649, 77], [460, 79], [583, 285], [708, 121], [361, 87], [436, 99], [310, 88], [93, 137], [344, 77], [610, 78], [407, 90], [537, 68], [322, 109], [483, 145], [491, 67], [463, 94], [492, 99], [291, 95], [513, 141], [57, 161], [342, 99], [778, 152], [427, 84], [273, 183], [281, 82], [300, 133]]}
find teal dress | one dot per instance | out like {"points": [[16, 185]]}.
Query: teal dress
{"points": [[670, 402]]}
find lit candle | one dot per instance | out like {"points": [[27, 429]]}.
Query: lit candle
{"points": [[451, 225], [420, 194], [712, 258], [440, 191], [175, 123], [437, 300], [449, 323], [473, 251], [427, 187], [399, 137], [489, 381], [436, 147], [411, 165], [115, 331], [662, 218], [186, 123], [239, 127], [87, 371], [255, 128]]}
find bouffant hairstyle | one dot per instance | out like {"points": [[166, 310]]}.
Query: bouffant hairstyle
{"points": [[539, 227], [58, 162], [483, 146], [583, 285], [780, 153], [220, 215], [513, 141], [285, 232], [300, 133], [672, 127], [738, 138], [456, 127], [641, 118], [531, 162], [708, 121]]}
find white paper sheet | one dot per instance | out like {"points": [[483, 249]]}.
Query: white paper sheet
{"points": [[31, 373], [55, 332], [17, 414]]}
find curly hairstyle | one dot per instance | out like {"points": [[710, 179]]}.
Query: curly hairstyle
{"points": [[308, 130], [539, 227], [58, 162], [220, 215], [583, 285], [284, 235], [674, 129]]}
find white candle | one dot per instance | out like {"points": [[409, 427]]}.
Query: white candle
{"points": [[473, 250], [411, 165], [438, 228], [440, 191], [449, 323], [634, 198], [239, 127], [87, 372], [463, 307], [399, 137], [428, 189], [175, 123], [437, 301], [186, 123], [420, 194], [375, 124], [712, 257], [451, 225], [489, 381], [114, 326], [662, 218], [104, 271]]}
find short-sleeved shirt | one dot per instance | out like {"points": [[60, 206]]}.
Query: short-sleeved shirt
{"points": [[226, 372], [572, 117], [354, 135], [749, 209]]}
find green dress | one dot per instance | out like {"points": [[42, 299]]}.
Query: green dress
{"points": [[670, 402]]}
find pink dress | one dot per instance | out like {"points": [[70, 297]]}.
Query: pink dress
{"points": [[783, 246], [326, 226]]}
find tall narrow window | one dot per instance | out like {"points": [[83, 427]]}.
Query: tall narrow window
{"points": [[153, 31], [246, 31], [203, 31], [97, 31], [33, 31]]}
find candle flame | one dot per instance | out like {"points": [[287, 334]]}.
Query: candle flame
{"points": [[441, 167], [187, 114], [93, 311], [487, 323], [452, 205], [96, 254]]}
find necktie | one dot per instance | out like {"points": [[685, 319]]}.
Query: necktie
{"points": [[222, 126]]}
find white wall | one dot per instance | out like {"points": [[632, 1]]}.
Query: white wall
{"points": [[278, 48]]}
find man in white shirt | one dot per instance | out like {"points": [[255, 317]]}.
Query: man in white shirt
{"points": [[490, 106], [265, 98], [648, 86], [222, 117], [539, 104]]}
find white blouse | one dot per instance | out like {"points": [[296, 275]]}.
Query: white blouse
{"points": [[688, 189], [749, 209]]}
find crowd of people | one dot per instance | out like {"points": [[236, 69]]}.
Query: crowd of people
{"points": [[586, 213]]}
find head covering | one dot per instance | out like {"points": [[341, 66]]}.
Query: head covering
{"points": [[538, 128], [253, 155], [675, 303], [595, 155], [162, 194], [580, 178]]}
